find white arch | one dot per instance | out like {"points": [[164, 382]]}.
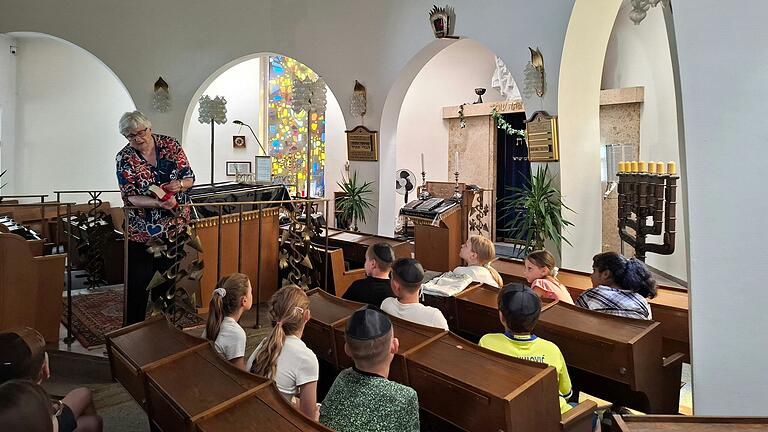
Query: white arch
{"points": [[334, 138]]}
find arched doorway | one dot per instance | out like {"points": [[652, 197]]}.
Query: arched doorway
{"points": [[420, 117], [257, 88]]}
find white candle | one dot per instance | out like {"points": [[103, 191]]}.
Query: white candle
{"points": [[422, 162], [457, 161]]}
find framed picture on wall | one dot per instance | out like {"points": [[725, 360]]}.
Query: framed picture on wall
{"points": [[238, 141], [238, 167]]}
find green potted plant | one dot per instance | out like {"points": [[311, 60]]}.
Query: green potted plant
{"points": [[538, 205], [355, 202]]}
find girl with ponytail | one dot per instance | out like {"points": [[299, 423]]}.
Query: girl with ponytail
{"points": [[541, 273], [479, 252], [621, 287], [283, 356], [230, 299]]}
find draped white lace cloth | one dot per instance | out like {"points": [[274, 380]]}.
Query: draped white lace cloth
{"points": [[503, 81]]}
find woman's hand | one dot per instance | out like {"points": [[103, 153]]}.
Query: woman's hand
{"points": [[173, 186]]}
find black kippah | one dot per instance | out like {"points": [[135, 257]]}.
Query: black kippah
{"points": [[368, 323], [15, 357], [519, 300], [408, 270], [383, 252]]}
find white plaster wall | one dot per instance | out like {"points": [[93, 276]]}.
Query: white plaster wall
{"points": [[7, 113], [722, 74], [185, 41], [640, 56], [240, 86], [448, 79], [579, 127], [67, 109]]}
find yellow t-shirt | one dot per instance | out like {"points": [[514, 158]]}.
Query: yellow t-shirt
{"points": [[533, 348]]}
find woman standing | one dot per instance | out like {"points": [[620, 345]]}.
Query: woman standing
{"points": [[147, 164]]}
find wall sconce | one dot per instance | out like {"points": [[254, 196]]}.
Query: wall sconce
{"points": [[161, 101]]}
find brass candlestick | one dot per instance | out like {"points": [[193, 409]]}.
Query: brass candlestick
{"points": [[456, 194], [644, 195], [424, 194]]}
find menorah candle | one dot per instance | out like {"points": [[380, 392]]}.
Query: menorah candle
{"points": [[671, 168], [652, 167], [634, 167], [422, 162], [621, 167], [643, 167], [661, 168], [457, 161]]}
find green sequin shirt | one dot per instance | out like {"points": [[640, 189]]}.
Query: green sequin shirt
{"points": [[361, 402]]}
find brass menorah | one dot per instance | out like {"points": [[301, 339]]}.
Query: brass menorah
{"points": [[648, 190]]}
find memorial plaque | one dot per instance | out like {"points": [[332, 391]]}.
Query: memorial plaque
{"points": [[362, 144], [541, 136]]}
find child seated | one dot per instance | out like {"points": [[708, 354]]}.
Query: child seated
{"points": [[519, 310], [362, 398], [541, 273], [407, 275], [479, 252], [283, 356], [25, 406], [621, 287], [232, 297], [375, 287], [23, 357]]}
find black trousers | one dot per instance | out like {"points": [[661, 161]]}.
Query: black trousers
{"points": [[141, 268]]}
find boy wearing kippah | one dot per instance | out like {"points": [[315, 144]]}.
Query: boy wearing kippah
{"points": [[519, 310], [375, 287], [361, 398], [407, 276], [23, 357]]}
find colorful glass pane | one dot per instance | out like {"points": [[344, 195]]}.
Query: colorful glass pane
{"points": [[288, 130]]}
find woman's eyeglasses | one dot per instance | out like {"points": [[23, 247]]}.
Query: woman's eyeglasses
{"points": [[136, 134]]}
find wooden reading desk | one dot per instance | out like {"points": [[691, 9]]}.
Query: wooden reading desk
{"points": [[659, 423]]}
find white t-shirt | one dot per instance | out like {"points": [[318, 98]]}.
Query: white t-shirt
{"points": [[296, 366], [478, 274], [415, 312], [230, 343]]}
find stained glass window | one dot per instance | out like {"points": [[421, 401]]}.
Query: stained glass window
{"points": [[287, 130]]}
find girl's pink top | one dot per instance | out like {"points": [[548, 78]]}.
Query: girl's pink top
{"points": [[552, 290]]}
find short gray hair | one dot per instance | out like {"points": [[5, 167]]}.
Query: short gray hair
{"points": [[133, 120]]}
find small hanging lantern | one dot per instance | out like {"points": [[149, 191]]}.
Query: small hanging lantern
{"points": [[161, 100]]}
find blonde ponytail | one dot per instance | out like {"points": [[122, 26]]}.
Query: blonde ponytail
{"points": [[286, 311], [486, 254], [235, 287]]}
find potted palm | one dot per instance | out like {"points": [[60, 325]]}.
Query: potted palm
{"points": [[355, 201], [538, 206]]}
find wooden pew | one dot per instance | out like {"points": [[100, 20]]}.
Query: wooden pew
{"points": [[688, 423], [497, 392], [355, 244], [669, 308], [30, 288], [631, 369], [184, 385], [338, 277], [134, 349], [10, 226]]}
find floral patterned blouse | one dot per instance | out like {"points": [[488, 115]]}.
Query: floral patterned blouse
{"points": [[135, 175]]}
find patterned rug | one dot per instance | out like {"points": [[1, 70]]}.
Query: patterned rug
{"points": [[96, 314]]}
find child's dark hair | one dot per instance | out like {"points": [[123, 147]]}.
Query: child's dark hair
{"points": [[383, 254], [22, 354], [25, 406], [629, 274], [236, 287], [520, 307]]}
